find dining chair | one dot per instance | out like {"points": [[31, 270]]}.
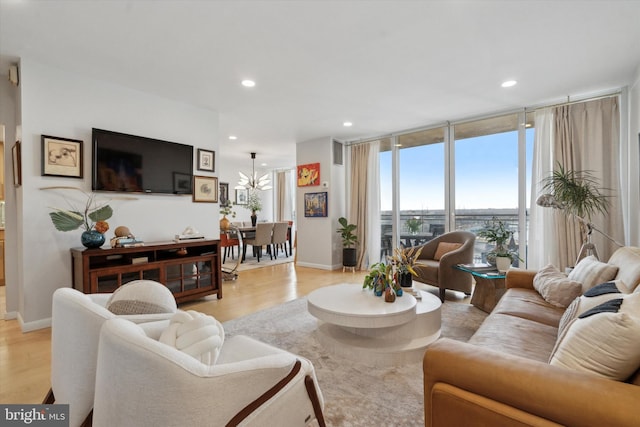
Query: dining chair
{"points": [[228, 241], [279, 238], [261, 238]]}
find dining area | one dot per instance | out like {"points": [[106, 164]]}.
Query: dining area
{"points": [[265, 238]]}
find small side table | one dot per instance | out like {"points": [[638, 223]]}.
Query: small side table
{"points": [[489, 287]]}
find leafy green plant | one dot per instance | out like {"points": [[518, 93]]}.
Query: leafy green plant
{"points": [[379, 278], [227, 209], [413, 224], [495, 231], [577, 192], [92, 215], [349, 239]]}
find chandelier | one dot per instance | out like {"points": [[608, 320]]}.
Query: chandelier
{"points": [[252, 182]]}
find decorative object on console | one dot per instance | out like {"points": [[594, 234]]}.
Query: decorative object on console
{"points": [[205, 189], [253, 182], [61, 157], [124, 238], [92, 217], [189, 233]]}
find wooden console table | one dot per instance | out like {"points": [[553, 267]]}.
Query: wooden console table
{"points": [[190, 269]]}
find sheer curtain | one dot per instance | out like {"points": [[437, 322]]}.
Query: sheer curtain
{"points": [[364, 209], [583, 137], [284, 202]]}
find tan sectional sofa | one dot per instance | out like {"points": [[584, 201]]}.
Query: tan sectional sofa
{"points": [[502, 377]]}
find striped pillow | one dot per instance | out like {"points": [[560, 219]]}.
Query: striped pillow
{"points": [[591, 272]]}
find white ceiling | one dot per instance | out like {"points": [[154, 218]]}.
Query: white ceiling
{"points": [[384, 65]]}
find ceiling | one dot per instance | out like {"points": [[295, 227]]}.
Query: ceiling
{"points": [[384, 65]]}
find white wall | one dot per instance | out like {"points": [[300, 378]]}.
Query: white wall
{"points": [[58, 103], [318, 243]]}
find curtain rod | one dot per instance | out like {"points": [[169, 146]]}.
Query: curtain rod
{"points": [[529, 109]]}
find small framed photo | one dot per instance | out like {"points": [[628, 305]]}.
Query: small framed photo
{"points": [[181, 183], [205, 189], [17, 164], [315, 204], [206, 160], [224, 193], [61, 157], [242, 195]]}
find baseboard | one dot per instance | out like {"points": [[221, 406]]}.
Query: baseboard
{"points": [[35, 325], [11, 315], [312, 265]]}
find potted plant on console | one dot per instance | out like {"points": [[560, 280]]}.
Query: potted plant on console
{"points": [[349, 241]]}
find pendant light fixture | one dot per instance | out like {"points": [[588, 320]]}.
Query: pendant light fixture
{"points": [[252, 182]]}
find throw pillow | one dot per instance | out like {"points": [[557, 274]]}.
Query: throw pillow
{"points": [[555, 287], [604, 343], [142, 297], [590, 299], [445, 247], [590, 272], [196, 334]]}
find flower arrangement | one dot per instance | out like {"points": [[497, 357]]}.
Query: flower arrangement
{"points": [[254, 204], [405, 259], [92, 216]]}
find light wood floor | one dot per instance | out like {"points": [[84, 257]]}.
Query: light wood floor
{"points": [[25, 358]]}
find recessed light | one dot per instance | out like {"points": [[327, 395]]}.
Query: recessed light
{"points": [[248, 83], [233, 137], [509, 83], [347, 124], [263, 164]]}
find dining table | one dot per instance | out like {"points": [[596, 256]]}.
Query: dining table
{"points": [[250, 231]]}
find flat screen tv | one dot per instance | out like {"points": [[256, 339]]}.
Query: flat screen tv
{"points": [[128, 163]]}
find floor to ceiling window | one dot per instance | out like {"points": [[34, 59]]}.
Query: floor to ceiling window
{"points": [[487, 174]]}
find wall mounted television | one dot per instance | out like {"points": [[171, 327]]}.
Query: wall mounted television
{"points": [[129, 163]]}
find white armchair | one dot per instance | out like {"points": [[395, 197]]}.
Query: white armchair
{"points": [[75, 330], [143, 382]]}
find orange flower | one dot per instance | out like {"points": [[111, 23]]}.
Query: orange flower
{"points": [[102, 226]]}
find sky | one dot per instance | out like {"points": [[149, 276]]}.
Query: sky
{"points": [[486, 174]]}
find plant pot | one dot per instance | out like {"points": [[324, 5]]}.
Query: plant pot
{"points": [[349, 257], [406, 280], [92, 239], [503, 263], [224, 223]]}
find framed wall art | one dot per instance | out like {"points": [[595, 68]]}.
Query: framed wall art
{"points": [[205, 189], [242, 195], [309, 175], [224, 193], [61, 157], [17, 164], [315, 204], [206, 160]]}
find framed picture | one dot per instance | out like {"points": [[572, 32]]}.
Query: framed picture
{"points": [[205, 189], [309, 175], [61, 157], [181, 183], [224, 193], [17, 165], [242, 195], [315, 204], [206, 160]]}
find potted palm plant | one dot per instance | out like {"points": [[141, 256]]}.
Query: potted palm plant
{"points": [[349, 241]]}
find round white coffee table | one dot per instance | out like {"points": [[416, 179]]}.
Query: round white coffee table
{"points": [[356, 324]]}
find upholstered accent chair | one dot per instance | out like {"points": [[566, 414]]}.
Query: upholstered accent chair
{"points": [[75, 329], [143, 382], [435, 263]]}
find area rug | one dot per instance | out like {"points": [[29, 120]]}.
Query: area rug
{"points": [[355, 394]]}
